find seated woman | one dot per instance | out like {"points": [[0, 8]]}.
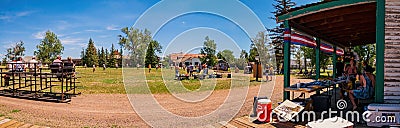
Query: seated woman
{"points": [[366, 90]]}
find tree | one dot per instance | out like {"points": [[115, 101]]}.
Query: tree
{"points": [[226, 55], [264, 48], [208, 52], [276, 33], [243, 54], [17, 49], [252, 53], [151, 57], [102, 57], [112, 60], [83, 57], [49, 48], [298, 55], [136, 42], [91, 54]]}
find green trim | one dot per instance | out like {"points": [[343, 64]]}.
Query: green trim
{"points": [[334, 60], [286, 62], [317, 53], [318, 7], [380, 50]]}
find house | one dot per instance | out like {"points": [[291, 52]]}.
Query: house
{"points": [[181, 59]]}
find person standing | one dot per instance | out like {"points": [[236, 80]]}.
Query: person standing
{"points": [[104, 66], [271, 71], [94, 67], [149, 67], [339, 67]]}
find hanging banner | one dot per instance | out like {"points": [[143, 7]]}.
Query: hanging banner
{"points": [[306, 41]]}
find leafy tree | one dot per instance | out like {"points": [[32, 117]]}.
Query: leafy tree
{"points": [[136, 42], [151, 57], [226, 55], [243, 54], [49, 48], [298, 55], [264, 48], [18, 49], [209, 50], [366, 52], [91, 54], [253, 53]]}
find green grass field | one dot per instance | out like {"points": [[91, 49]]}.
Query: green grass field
{"points": [[111, 81]]}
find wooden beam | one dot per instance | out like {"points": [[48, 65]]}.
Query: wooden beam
{"points": [[320, 7], [380, 50], [313, 33], [317, 62], [342, 21], [286, 61], [353, 10]]}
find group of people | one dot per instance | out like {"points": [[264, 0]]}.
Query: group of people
{"points": [[365, 76], [17, 64], [269, 71]]}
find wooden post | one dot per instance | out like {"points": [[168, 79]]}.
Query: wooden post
{"points": [[334, 60], [317, 53], [286, 59], [380, 50]]}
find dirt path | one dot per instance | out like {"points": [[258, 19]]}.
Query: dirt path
{"points": [[111, 110]]}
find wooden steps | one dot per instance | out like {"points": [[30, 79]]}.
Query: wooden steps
{"points": [[9, 123]]}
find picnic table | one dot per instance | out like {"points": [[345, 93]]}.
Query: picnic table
{"points": [[315, 86]]}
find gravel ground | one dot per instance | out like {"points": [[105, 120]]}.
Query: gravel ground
{"points": [[115, 110]]}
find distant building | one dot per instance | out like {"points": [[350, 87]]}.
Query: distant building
{"points": [[181, 59]]}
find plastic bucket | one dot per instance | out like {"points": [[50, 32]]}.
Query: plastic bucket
{"points": [[264, 110]]}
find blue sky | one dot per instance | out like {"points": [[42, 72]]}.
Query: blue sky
{"points": [[75, 21]]}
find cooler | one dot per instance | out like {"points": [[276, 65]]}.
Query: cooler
{"points": [[264, 110]]}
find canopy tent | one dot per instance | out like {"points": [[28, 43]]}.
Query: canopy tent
{"points": [[341, 23]]}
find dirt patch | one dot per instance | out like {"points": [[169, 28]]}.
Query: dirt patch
{"points": [[115, 110]]}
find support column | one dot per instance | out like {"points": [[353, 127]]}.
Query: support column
{"points": [[334, 60], [286, 59], [380, 50], [317, 67]]}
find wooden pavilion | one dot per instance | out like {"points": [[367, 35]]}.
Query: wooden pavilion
{"points": [[349, 23]]}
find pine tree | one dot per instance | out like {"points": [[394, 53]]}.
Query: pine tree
{"points": [[83, 57], [112, 60], [276, 33], [151, 57], [91, 54]]}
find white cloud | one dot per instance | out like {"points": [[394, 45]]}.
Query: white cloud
{"points": [[112, 27], [39, 35], [9, 16], [93, 30], [71, 41], [24, 13]]}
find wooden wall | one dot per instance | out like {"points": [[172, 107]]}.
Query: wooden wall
{"points": [[392, 52]]}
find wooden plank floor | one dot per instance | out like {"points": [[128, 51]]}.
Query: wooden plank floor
{"points": [[9, 123], [245, 122]]}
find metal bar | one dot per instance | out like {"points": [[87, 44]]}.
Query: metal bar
{"points": [[334, 60], [320, 7], [317, 53], [286, 60], [380, 50]]}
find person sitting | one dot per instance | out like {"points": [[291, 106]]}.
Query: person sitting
{"points": [[366, 90], [19, 65], [33, 64], [57, 60]]}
